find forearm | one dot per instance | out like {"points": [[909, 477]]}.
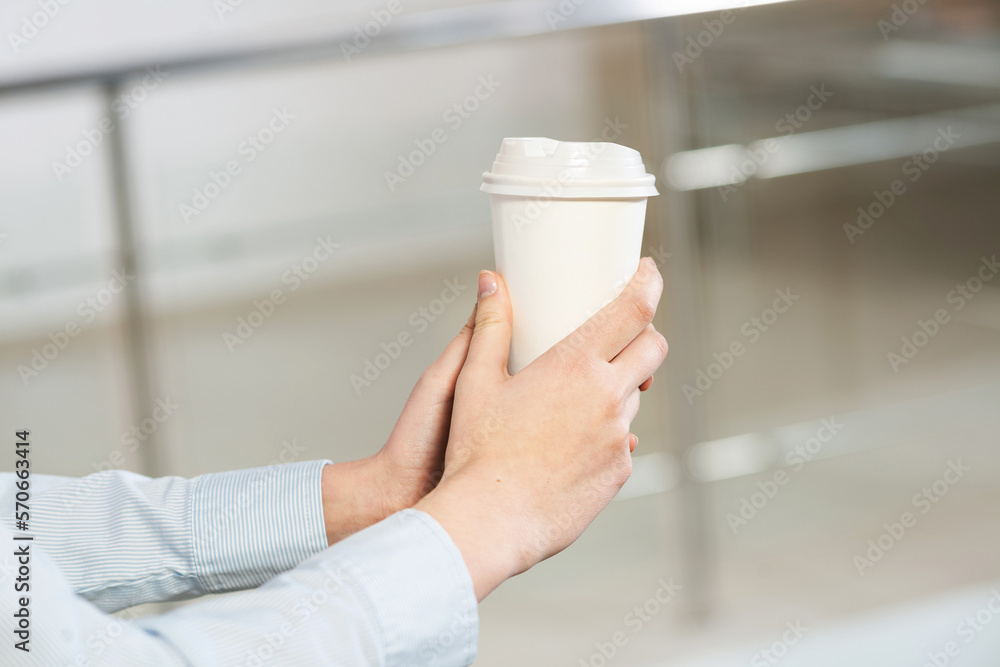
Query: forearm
{"points": [[394, 595], [122, 539]]}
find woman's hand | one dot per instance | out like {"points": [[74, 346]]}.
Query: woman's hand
{"points": [[357, 494], [533, 458]]}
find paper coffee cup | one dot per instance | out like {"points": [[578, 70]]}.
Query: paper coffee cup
{"points": [[567, 233]]}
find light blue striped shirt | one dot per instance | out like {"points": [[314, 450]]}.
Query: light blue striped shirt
{"points": [[395, 594]]}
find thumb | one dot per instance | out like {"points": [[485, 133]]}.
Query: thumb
{"points": [[490, 344]]}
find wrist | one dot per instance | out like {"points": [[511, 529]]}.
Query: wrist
{"points": [[352, 497], [484, 527]]}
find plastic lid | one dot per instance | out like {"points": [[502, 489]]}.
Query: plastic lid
{"points": [[541, 167]]}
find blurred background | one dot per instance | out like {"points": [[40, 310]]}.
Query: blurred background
{"points": [[214, 215]]}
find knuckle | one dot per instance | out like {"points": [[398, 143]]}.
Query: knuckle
{"points": [[641, 309], [660, 345], [623, 393], [623, 469], [432, 377], [488, 319], [611, 404]]}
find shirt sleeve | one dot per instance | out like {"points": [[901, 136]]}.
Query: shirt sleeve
{"points": [[396, 594], [122, 539]]}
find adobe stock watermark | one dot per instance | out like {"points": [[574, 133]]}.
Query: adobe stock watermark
{"points": [[967, 630], [758, 154], [778, 649], [454, 117], [87, 311], [578, 339], [752, 330], [101, 639], [899, 17], [713, 29], [420, 320], [302, 610], [796, 459], [218, 523], [264, 309], [139, 433], [123, 105], [365, 32], [957, 298], [923, 502], [494, 422], [271, 642], [659, 254], [562, 12], [246, 152], [84, 488], [34, 23], [225, 7], [612, 130], [913, 169], [635, 620], [459, 626]]}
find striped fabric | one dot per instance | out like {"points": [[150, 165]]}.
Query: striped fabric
{"points": [[397, 593], [123, 539]]}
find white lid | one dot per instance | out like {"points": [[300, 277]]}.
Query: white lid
{"points": [[540, 167]]}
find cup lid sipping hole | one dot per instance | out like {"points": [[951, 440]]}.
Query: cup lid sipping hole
{"points": [[543, 167]]}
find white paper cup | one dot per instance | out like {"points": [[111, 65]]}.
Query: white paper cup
{"points": [[567, 233]]}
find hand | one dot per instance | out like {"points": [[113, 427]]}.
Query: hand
{"points": [[533, 458], [357, 494]]}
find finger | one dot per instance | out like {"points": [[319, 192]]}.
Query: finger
{"points": [[436, 386], [633, 442], [646, 384], [640, 359], [453, 358], [618, 323], [490, 344]]}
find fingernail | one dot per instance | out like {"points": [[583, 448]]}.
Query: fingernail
{"points": [[487, 283]]}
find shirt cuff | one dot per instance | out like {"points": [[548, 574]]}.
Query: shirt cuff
{"points": [[419, 587], [250, 525]]}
